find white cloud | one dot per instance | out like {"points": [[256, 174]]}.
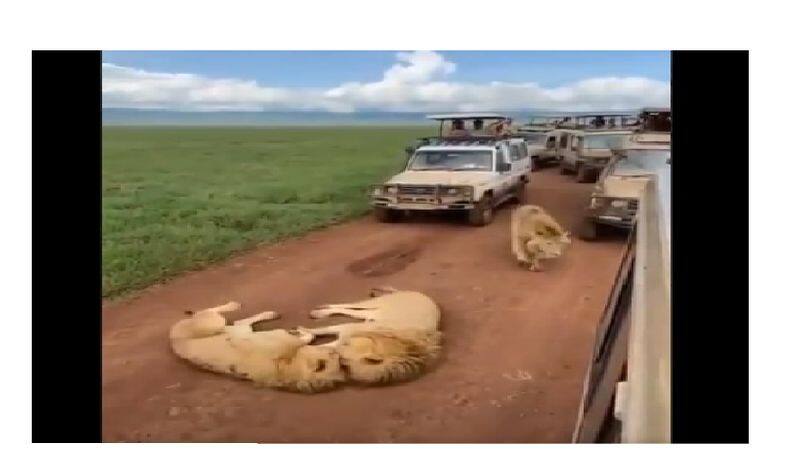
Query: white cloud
{"points": [[417, 82]]}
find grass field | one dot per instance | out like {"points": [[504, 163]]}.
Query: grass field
{"points": [[175, 199]]}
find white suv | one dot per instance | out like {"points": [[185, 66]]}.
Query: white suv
{"points": [[474, 174]]}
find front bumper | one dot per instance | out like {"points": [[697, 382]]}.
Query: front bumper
{"points": [[427, 197], [617, 212]]}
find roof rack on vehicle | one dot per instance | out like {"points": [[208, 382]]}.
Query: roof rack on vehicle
{"points": [[467, 116]]}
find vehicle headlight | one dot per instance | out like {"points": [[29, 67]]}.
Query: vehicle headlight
{"points": [[377, 191], [452, 191], [597, 203], [391, 190], [619, 204]]}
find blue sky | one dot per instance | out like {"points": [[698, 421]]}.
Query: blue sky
{"points": [[346, 81], [330, 68]]}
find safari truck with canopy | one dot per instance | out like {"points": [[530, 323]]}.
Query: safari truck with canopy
{"points": [[589, 151], [542, 145], [657, 120], [655, 130], [458, 125], [541, 138], [472, 172]]}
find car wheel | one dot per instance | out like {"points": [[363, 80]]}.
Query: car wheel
{"points": [[519, 193], [385, 215], [585, 174], [565, 170], [588, 230], [483, 212]]}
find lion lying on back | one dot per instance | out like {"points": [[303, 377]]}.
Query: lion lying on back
{"points": [[276, 358], [398, 338], [536, 236]]}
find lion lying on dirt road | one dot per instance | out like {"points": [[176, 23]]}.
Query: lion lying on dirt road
{"points": [[398, 338], [535, 236], [276, 358]]}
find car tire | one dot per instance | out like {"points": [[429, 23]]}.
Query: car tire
{"points": [[565, 170], [588, 230], [483, 212], [585, 175], [520, 193], [385, 215]]}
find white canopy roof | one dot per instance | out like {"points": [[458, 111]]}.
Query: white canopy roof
{"points": [[467, 116]]}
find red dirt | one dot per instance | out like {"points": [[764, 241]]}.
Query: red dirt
{"points": [[516, 342]]}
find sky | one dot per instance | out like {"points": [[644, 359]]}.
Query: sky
{"points": [[401, 81]]}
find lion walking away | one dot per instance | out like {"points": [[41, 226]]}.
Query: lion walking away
{"points": [[535, 236]]}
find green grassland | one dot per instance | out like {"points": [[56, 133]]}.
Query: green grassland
{"points": [[176, 199]]}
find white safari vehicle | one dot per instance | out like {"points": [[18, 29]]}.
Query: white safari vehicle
{"points": [[541, 137], [472, 171], [588, 151], [549, 146]]}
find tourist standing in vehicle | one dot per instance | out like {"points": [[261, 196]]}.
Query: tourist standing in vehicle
{"points": [[458, 129], [477, 126]]}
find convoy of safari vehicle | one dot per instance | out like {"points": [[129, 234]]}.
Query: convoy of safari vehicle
{"points": [[473, 170], [478, 162]]}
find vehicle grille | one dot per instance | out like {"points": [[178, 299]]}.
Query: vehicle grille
{"points": [[416, 190], [633, 204]]}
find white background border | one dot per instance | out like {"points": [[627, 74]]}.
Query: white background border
{"points": [[766, 28]]}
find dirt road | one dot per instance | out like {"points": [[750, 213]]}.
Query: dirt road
{"points": [[516, 342]]}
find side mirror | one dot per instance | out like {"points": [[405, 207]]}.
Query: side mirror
{"points": [[503, 166]]}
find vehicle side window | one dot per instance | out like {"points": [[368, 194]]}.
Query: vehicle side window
{"points": [[551, 143], [564, 141], [577, 142], [501, 156], [517, 152]]}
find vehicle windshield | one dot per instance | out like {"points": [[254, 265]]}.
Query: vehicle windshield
{"points": [[604, 141], [452, 160], [536, 139]]}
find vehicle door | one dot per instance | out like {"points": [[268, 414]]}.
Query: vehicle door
{"points": [[576, 147], [505, 174], [551, 145], [564, 148], [520, 161]]}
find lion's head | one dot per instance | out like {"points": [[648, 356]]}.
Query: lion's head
{"points": [[310, 369], [383, 356], [545, 248]]}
